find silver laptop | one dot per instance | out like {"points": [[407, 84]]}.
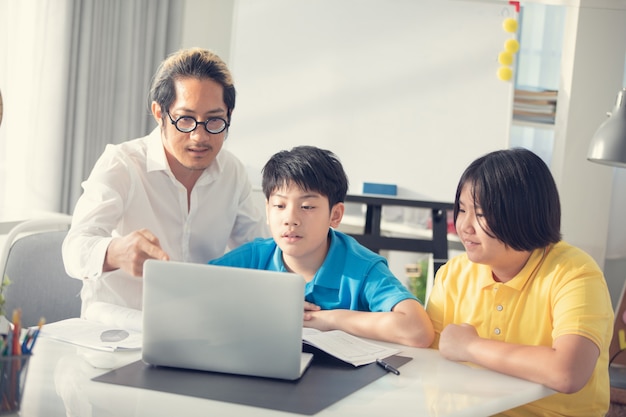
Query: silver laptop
{"points": [[223, 319]]}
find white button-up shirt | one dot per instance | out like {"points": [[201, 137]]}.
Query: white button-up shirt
{"points": [[132, 187]]}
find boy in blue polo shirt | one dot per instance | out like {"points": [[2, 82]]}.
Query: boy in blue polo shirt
{"points": [[348, 287]]}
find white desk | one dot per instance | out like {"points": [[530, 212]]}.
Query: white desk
{"points": [[59, 384]]}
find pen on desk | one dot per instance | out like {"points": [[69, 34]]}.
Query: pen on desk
{"points": [[387, 367]]}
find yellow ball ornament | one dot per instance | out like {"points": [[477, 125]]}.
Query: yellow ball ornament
{"points": [[505, 73], [509, 25], [505, 58], [511, 45]]}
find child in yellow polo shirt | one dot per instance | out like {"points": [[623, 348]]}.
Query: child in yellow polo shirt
{"points": [[520, 300]]}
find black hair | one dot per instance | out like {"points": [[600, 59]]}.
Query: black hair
{"points": [[518, 198], [309, 167], [191, 63]]}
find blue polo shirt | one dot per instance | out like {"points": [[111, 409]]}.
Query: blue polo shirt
{"points": [[352, 277]]}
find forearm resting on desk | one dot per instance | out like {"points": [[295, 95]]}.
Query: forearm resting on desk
{"points": [[565, 367], [407, 324]]}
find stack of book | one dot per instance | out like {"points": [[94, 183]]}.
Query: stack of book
{"points": [[538, 106]]}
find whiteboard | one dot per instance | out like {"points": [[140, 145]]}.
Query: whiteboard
{"points": [[403, 91]]}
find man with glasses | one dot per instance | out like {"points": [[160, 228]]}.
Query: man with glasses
{"points": [[174, 194]]}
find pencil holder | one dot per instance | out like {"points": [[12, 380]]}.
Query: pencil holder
{"points": [[12, 379]]}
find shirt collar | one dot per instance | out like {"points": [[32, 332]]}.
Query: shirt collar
{"points": [[320, 278], [155, 153], [277, 260], [335, 251], [526, 274], [529, 270]]}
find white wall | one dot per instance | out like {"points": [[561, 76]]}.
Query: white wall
{"points": [[208, 24], [404, 92], [592, 47]]}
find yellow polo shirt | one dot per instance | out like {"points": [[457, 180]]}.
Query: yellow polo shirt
{"points": [[561, 291]]}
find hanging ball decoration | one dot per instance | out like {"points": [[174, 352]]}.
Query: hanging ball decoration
{"points": [[510, 25], [505, 73], [505, 58], [511, 46]]}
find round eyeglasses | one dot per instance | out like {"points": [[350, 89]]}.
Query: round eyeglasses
{"points": [[187, 124]]}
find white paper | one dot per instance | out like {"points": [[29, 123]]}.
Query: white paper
{"points": [[344, 346], [94, 335], [115, 316]]}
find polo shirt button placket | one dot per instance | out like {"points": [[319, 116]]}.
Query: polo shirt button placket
{"points": [[497, 331]]}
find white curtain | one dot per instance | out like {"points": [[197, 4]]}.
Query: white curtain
{"points": [[74, 75], [33, 67]]}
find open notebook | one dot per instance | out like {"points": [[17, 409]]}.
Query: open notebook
{"points": [[223, 319]]}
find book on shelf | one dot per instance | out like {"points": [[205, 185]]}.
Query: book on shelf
{"points": [[535, 94], [346, 347], [534, 118], [545, 113], [534, 112], [530, 110], [526, 102], [535, 105]]}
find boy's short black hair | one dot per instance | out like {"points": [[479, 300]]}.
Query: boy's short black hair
{"points": [[310, 168], [518, 198]]}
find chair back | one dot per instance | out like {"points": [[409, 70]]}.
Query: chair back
{"points": [[39, 285]]}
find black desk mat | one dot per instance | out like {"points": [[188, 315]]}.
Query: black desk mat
{"points": [[326, 381]]}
